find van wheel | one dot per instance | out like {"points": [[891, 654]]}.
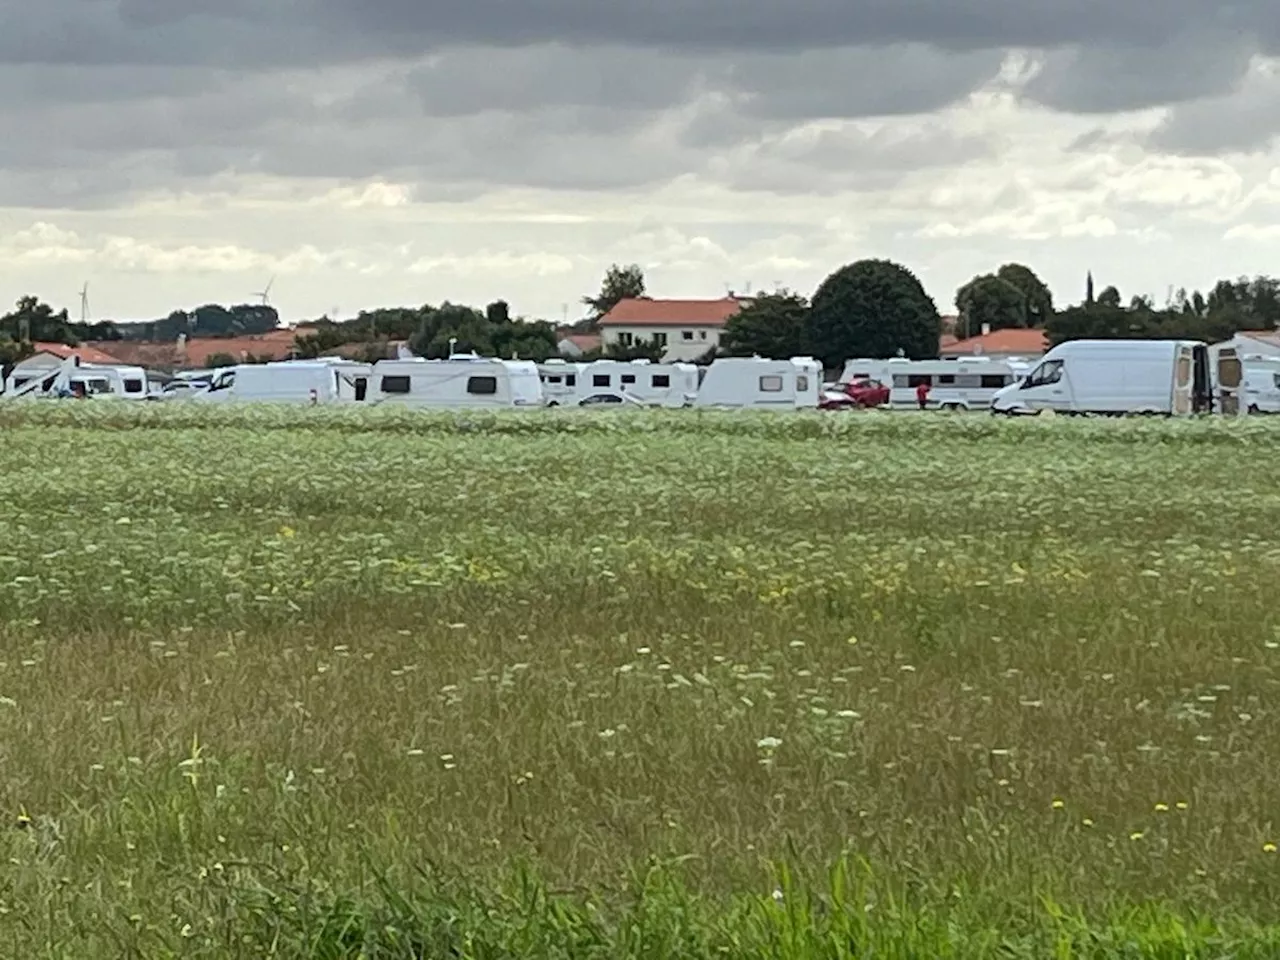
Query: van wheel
{"points": [[1253, 409]]}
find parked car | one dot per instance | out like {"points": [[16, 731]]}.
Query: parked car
{"points": [[610, 398], [862, 392]]}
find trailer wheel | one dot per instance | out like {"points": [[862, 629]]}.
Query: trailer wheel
{"points": [[1253, 409]]}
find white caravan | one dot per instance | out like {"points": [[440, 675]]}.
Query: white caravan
{"points": [[289, 381], [1262, 383], [1118, 377], [965, 383], [756, 382], [559, 381], [460, 381], [654, 384], [93, 379]]}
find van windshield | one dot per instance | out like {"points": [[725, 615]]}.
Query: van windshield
{"points": [[1048, 372]]}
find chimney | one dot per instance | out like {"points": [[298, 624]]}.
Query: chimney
{"points": [[986, 329]]}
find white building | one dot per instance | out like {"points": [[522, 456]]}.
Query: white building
{"points": [[686, 329]]}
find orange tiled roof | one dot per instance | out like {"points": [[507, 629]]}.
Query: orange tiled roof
{"points": [[1014, 340], [647, 312], [87, 354]]}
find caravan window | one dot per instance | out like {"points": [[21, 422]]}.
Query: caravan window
{"points": [[600, 380], [770, 384], [661, 380], [628, 378], [571, 380], [802, 383], [994, 381], [946, 379], [917, 380], [133, 385], [482, 386], [395, 385], [550, 379]]}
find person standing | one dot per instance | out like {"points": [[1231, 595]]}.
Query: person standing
{"points": [[922, 394]]}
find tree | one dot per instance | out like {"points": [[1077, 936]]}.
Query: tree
{"points": [[873, 309], [1038, 297], [992, 302], [773, 325], [33, 321], [620, 283], [1109, 297]]}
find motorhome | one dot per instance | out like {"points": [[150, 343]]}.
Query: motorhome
{"points": [[90, 379], [965, 383], [757, 382], [559, 381], [460, 381], [654, 384], [289, 381], [1123, 376]]}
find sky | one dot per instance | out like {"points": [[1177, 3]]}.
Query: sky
{"points": [[370, 153]]}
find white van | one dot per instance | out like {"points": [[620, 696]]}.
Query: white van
{"points": [[460, 381], [289, 381], [653, 384], [1262, 383], [559, 381], [1114, 377], [965, 383], [756, 382]]}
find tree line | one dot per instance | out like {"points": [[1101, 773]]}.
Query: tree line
{"points": [[870, 308]]}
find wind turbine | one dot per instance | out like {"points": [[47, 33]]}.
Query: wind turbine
{"points": [[84, 303], [264, 293]]}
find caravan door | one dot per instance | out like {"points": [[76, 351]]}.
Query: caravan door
{"points": [[1229, 376]]}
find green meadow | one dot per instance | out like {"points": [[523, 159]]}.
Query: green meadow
{"points": [[341, 683]]}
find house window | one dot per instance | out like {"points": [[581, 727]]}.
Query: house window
{"points": [[659, 339], [661, 381], [600, 380], [628, 378], [133, 386], [702, 334], [686, 335], [626, 339], [482, 386], [395, 385], [770, 384], [571, 380]]}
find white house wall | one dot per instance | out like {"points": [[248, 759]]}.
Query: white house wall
{"points": [[683, 343]]}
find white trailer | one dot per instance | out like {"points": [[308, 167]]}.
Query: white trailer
{"points": [[653, 384], [95, 380], [289, 381], [1119, 377], [1261, 383], [560, 381], [965, 383], [460, 381], [756, 382]]}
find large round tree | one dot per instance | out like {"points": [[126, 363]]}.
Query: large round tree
{"points": [[874, 309]]}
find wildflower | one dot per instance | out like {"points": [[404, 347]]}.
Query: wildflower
{"points": [[1058, 804], [1136, 835], [768, 743], [1268, 848], [1087, 822], [1162, 808], [1181, 804]]}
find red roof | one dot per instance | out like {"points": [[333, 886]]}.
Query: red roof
{"points": [[647, 312], [1014, 340], [277, 345], [86, 354], [586, 342]]}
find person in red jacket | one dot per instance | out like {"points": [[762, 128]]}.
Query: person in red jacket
{"points": [[922, 394]]}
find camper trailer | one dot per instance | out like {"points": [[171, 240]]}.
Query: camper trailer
{"points": [[653, 384], [559, 381], [1125, 376], [288, 381], [966, 383], [87, 379], [461, 381], [756, 382]]}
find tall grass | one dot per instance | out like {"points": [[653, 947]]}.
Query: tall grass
{"points": [[317, 682]]}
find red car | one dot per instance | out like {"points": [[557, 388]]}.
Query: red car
{"points": [[861, 392]]}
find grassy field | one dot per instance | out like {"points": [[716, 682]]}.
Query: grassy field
{"points": [[337, 683]]}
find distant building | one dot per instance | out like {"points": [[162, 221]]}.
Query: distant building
{"points": [[1252, 343], [576, 344], [686, 329], [997, 345]]}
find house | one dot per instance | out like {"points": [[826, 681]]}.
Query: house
{"points": [[686, 329], [51, 355], [577, 344], [997, 345]]}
